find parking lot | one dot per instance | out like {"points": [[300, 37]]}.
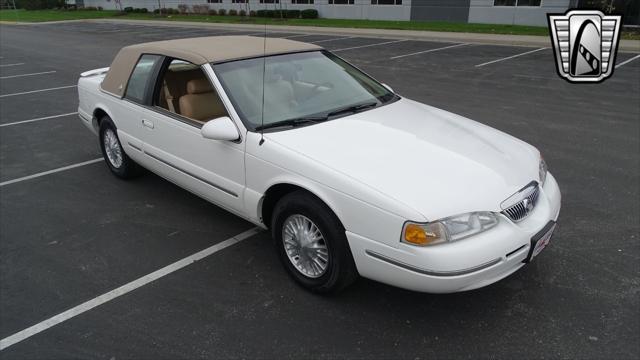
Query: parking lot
{"points": [[71, 232]]}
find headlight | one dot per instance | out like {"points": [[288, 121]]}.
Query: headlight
{"points": [[542, 171], [450, 229]]}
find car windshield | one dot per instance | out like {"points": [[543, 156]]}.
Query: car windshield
{"points": [[300, 88]]}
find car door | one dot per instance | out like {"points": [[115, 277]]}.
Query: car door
{"points": [[183, 100], [128, 115]]}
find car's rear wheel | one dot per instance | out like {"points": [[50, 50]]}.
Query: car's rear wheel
{"points": [[311, 243], [117, 160]]}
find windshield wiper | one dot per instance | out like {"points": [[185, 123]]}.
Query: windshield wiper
{"points": [[316, 119], [353, 109], [292, 122]]}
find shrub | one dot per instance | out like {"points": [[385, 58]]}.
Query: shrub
{"points": [[309, 14], [156, 11], [243, 13], [100, 8], [202, 9], [128, 9], [140, 10], [292, 14], [253, 13], [222, 12], [39, 4], [183, 8], [89, 8], [233, 12], [269, 13], [212, 12]]}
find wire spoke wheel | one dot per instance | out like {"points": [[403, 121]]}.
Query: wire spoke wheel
{"points": [[305, 246], [112, 148]]}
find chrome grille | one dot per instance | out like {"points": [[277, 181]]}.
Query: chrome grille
{"points": [[521, 209]]}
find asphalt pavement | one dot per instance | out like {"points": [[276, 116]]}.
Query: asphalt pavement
{"points": [[67, 237]]}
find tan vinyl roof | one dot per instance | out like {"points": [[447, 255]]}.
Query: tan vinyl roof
{"points": [[198, 51]]}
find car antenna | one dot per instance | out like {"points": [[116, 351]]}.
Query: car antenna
{"points": [[264, 70]]}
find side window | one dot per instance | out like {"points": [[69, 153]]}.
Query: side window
{"points": [[185, 90], [139, 80]]}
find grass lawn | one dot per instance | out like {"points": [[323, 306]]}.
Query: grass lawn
{"points": [[57, 15]]}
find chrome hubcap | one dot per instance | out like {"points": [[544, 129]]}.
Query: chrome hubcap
{"points": [[305, 246], [112, 148]]}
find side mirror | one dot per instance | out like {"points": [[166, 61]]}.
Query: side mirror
{"points": [[221, 128], [388, 87]]}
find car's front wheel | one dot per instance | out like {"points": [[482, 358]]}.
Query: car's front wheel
{"points": [[117, 160], [311, 243]]}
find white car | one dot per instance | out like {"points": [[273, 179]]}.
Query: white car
{"points": [[350, 178]]}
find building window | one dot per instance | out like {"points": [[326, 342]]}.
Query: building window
{"points": [[269, 1], [341, 2], [517, 2], [386, 2], [239, 1], [529, 3], [214, 1], [302, 1]]}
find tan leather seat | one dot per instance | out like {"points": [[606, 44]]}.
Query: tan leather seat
{"points": [[175, 86], [201, 102]]}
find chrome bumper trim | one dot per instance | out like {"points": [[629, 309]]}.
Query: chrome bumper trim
{"points": [[432, 272]]}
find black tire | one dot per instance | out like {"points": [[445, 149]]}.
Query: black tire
{"points": [[127, 168], [341, 270]]}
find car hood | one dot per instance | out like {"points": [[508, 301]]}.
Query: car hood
{"points": [[438, 163]]}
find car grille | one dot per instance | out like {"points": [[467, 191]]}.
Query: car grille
{"points": [[521, 209]]}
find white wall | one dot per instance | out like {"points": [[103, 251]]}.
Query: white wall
{"points": [[483, 11]]}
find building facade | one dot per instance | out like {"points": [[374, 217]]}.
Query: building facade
{"points": [[520, 12]]}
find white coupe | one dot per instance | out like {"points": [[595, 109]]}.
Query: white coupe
{"points": [[350, 178]]}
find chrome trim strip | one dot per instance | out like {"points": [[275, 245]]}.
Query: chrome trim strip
{"points": [[516, 250], [192, 175], [519, 195], [135, 147], [432, 272], [84, 118], [109, 92]]}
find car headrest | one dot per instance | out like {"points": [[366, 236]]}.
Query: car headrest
{"points": [[198, 86]]}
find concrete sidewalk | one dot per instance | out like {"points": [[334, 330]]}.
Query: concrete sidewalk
{"points": [[457, 37]]}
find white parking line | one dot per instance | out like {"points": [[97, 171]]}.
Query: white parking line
{"points": [[23, 75], [370, 45], [628, 61], [511, 57], [333, 39], [124, 289], [37, 91], [38, 119], [64, 168], [7, 65], [428, 51]]}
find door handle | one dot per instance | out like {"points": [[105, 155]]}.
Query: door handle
{"points": [[147, 123]]}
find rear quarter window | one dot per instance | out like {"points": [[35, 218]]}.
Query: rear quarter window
{"points": [[139, 82]]}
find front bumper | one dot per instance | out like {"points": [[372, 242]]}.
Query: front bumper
{"points": [[463, 265]]}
